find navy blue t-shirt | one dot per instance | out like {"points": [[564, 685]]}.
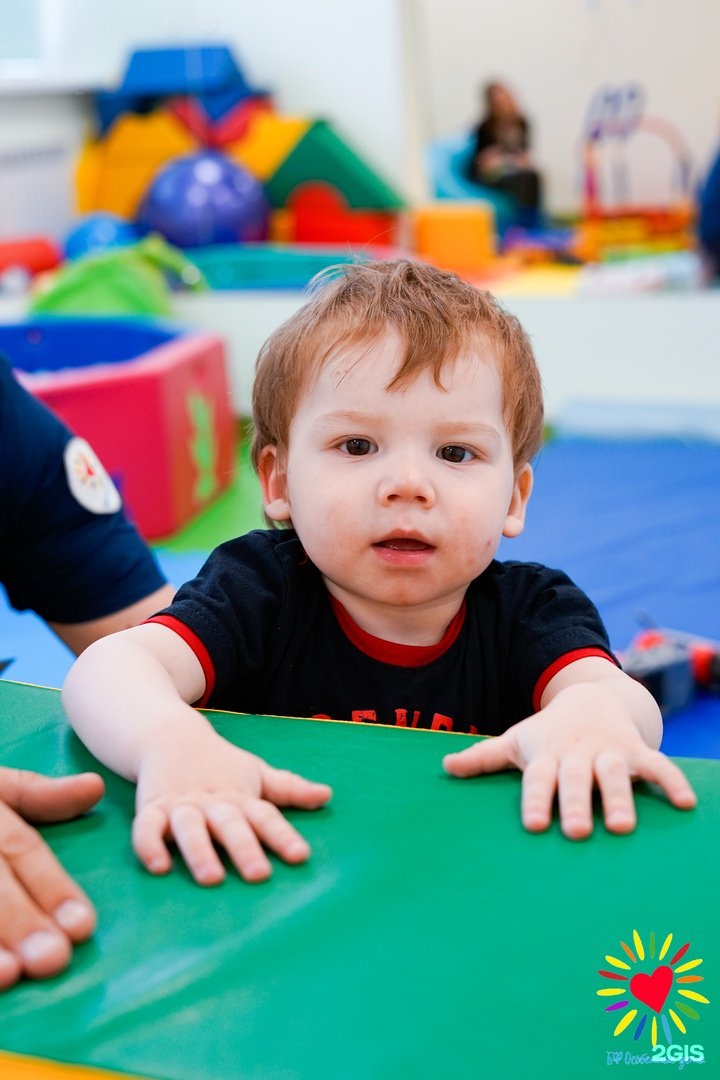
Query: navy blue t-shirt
{"points": [[66, 551], [272, 640]]}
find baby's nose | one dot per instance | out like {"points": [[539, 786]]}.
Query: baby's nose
{"points": [[406, 481]]}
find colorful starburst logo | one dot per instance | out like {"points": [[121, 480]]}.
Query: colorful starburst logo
{"points": [[653, 988]]}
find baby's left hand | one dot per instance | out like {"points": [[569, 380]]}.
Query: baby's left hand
{"points": [[567, 748]]}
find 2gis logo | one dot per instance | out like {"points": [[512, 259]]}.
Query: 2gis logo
{"points": [[661, 1055], [653, 993]]}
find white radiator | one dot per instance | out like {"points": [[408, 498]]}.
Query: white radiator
{"points": [[36, 191]]}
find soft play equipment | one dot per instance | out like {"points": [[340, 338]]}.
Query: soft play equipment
{"points": [[98, 232], [187, 983], [458, 236], [205, 199], [131, 280], [271, 266], [114, 171], [448, 162], [32, 254], [319, 188], [325, 192], [152, 400], [615, 116], [208, 73]]}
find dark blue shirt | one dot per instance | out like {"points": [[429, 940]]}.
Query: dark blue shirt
{"points": [[709, 220], [271, 639], [69, 557]]}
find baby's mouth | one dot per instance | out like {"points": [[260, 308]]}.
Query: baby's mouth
{"points": [[403, 543]]}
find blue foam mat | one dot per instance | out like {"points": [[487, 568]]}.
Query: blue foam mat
{"points": [[635, 523]]}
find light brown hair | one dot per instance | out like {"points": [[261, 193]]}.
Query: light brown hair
{"points": [[437, 317]]}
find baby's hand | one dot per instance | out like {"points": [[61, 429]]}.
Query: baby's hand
{"points": [[206, 789], [571, 745]]}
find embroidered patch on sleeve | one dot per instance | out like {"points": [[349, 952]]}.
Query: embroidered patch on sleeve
{"points": [[88, 481]]}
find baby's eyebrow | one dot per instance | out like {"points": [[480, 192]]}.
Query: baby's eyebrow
{"points": [[443, 430], [456, 429], [343, 417]]}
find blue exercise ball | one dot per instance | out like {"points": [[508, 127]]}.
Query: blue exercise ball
{"points": [[205, 199], [98, 232]]}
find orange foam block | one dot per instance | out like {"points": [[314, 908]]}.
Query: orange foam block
{"points": [[455, 235]]}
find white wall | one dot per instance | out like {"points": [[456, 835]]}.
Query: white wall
{"points": [[557, 53], [656, 351]]}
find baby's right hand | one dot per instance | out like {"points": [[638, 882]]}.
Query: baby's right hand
{"points": [[206, 789]]}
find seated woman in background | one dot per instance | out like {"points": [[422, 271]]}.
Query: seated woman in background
{"points": [[501, 157]]}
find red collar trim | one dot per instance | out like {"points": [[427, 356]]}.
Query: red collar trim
{"points": [[393, 652]]}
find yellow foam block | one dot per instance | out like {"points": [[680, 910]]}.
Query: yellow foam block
{"points": [[539, 281], [15, 1067], [121, 188], [267, 142], [87, 177], [114, 173], [158, 136], [455, 235]]}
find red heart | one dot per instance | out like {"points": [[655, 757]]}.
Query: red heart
{"points": [[653, 989]]}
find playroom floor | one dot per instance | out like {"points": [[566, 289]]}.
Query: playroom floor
{"points": [[634, 522]]}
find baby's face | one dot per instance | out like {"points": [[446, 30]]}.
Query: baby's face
{"points": [[400, 497]]}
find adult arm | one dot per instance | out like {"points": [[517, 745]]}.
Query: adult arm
{"points": [[43, 913], [77, 636], [67, 550]]}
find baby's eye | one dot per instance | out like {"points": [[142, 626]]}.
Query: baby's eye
{"points": [[455, 454], [357, 447]]}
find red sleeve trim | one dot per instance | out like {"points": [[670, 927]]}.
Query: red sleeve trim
{"points": [[190, 638], [562, 662]]}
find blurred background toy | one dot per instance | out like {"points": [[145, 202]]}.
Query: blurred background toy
{"points": [[135, 279], [97, 232], [673, 665], [205, 199], [151, 398], [187, 147]]}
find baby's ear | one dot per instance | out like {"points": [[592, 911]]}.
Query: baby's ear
{"points": [[515, 519], [273, 483]]}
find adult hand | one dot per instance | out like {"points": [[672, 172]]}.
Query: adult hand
{"points": [[43, 913]]}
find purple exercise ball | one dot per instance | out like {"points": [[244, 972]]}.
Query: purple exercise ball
{"points": [[205, 199]]}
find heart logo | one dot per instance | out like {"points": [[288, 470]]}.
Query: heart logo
{"points": [[653, 989]]}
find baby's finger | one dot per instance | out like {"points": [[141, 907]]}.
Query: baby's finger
{"points": [[149, 828], [276, 832], [575, 782], [231, 828], [660, 770], [611, 773], [538, 793], [285, 788], [487, 756], [190, 831]]}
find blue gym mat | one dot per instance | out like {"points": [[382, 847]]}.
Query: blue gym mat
{"points": [[634, 522]]}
